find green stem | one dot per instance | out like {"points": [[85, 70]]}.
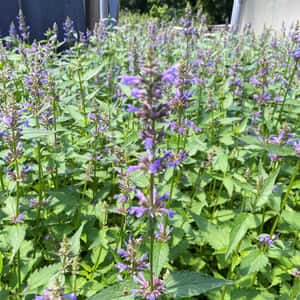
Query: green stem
{"points": [[197, 183], [285, 95], [95, 266], [281, 210], [80, 205], [1, 180], [243, 202], [217, 199], [151, 227]]}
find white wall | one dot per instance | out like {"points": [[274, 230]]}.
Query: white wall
{"points": [[268, 12]]}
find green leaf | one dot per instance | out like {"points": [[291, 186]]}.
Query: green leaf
{"points": [[239, 229], [228, 101], [160, 257], [42, 276], [276, 149], [16, 236], [251, 294], [76, 115], [194, 144], [189, 284], [1, 263], [75, 240], [218, 238], [254, 261], [92, 73], [242, 126], [267, 188], [126, 89], [228, 183], [33, 133], [221, 162], [120, 290], [292, 218]]}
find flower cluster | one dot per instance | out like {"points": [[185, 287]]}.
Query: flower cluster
{"points": [[145, 287], [157, 208], [133, 264], [56, 292], [267, 240]]}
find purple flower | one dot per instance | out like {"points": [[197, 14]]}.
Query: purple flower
{"points": [[147, 163], [145, 205], [296, 273], [170, 75], [267, 240], [275, 157], [255, 81], [132, 262], [130, 80], [18, 219], [70, 296], [131, 108], [296, 145], [145, 288], [163, 235], [135, 92]]}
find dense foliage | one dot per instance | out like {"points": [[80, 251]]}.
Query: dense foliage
{"points": [[217, 11], [150, 161]]}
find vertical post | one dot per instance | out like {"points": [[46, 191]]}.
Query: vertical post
{"points": [[92, 13], [114, 10], [103, 9], [235, 14]]}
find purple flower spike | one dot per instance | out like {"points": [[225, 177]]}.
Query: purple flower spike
{"points": [[163, 235], [145, 288], [70, 296], [130, 80], [132, 262], [18, 219], [131, 108], [145, 206]]}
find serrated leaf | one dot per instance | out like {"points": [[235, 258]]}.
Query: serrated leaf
{"points": [[221, 162], [92, 73], [218, 238], [126, 89], [189, 284], [254, 261], [267, 188], [33, 133], [120, 290], [228, 101], [292, 218], [160, 257], [76, 115], [42, 276], [16, 236], [194, 144], [228, 183], [239, 229], [75, 240], [242, 126], [276, 149], [251, 294]]}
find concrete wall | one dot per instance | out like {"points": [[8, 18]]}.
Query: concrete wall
{"points": [[268, 12]]}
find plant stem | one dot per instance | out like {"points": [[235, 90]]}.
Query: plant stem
{"points": [[80, 205], [281, 210], [286, 93], [151, 228]]}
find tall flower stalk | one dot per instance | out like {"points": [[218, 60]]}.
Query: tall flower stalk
{"points": [[151, 111]]}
